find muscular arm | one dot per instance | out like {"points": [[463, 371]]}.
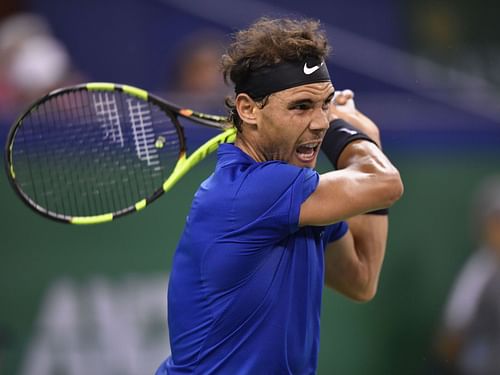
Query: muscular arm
{"points": [[368, 182], [353, 263], [365, 181]]}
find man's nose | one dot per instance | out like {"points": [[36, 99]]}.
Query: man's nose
{"points": [[320, 120]]}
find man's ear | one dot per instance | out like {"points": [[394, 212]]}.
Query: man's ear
{"points": [[247, 109]]}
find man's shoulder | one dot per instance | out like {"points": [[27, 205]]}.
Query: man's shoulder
{"points": [[269, 177]]}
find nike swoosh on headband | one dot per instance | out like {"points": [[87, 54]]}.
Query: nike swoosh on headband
{"points": [[312, 69]]}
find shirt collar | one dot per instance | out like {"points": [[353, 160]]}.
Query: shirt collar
{"points": [[228, 154]]}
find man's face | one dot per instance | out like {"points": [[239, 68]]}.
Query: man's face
{"points": [[293, 122]]}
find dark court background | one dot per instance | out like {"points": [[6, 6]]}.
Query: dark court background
{"points": [[91, 299]]}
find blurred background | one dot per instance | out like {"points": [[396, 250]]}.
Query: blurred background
{"points": [[91, 300]]}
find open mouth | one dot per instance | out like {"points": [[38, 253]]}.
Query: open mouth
{"points": [[307, 152]]}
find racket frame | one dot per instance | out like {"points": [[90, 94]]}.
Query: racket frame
{"points": [[183, 165]]}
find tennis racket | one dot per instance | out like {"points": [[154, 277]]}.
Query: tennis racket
{"points": [[90, 153]]}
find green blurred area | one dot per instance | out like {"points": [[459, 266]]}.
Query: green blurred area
{"points": [[429, 239]]}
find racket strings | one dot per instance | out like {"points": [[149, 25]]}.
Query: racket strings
{"points": [[86, 153]]}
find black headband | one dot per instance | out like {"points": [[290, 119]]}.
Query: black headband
{"points": [[282, 76]]}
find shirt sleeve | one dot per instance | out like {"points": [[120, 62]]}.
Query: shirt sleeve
{"points": [[335, 232], [269, 199]]}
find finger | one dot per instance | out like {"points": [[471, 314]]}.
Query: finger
{"points": [[343, 96], [348, 93]]}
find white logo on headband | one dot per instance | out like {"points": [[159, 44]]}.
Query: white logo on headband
{"points": [[312, 69]]}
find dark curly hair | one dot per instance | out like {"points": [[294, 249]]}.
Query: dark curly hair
{"points": [[269, 42]]}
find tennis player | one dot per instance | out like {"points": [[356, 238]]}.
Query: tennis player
{"points": [[265, 230]]}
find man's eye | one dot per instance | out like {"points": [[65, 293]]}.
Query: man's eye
{"points": [[301, 106], [327, 103]]}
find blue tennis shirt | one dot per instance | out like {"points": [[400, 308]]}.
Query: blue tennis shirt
{"points": [[245, 290]]}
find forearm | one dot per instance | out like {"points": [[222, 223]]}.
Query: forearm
{"points": [[362, 123], [354, 269], [353, 264], [343, 107], [382, 179], [370, 238], [347, 145], [365, 181]]}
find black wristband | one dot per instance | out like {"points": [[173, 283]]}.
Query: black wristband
{"points": [[381, 212], [338, 136]]}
